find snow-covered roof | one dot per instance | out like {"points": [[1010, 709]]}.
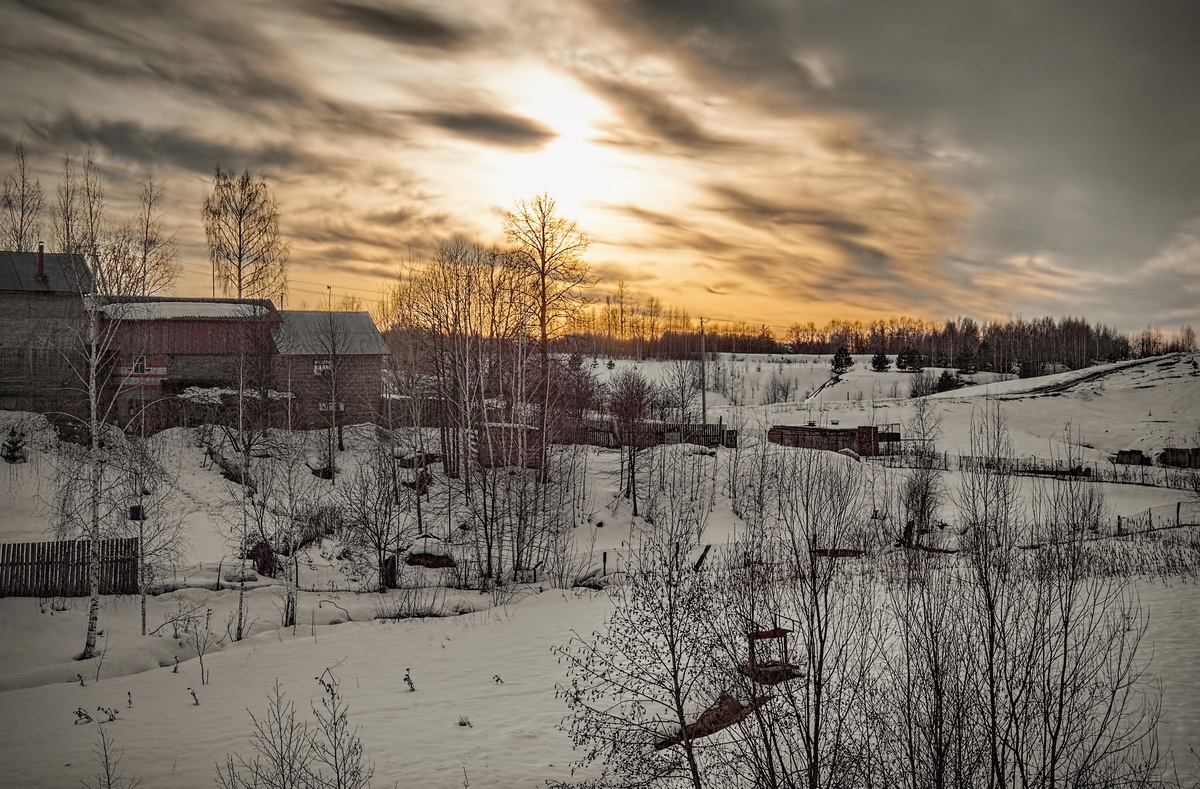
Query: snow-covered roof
{"points": [[320, 333], [180, 310]]}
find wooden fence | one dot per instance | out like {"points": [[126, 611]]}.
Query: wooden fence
{"points": [[1152, 476], [60, 569]]}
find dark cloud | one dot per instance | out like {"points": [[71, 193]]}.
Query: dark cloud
{"points": [[493, 128], [146, 146], [159, 52], [655, 115], [1071, 124], [760, 211], [400, 25], [749, 40], [670, 232]]}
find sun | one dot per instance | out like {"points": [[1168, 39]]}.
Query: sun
{"points": [[579, 171]]}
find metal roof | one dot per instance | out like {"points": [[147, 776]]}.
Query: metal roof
{"points": [[65, 273], [322, 333]]}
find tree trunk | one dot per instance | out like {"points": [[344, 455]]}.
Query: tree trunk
{"points": [[89, 647]]}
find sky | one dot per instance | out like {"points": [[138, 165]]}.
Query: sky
{"points": [[771, 161]]}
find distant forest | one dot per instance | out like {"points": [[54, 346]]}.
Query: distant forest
{"points": [[624, 327]]}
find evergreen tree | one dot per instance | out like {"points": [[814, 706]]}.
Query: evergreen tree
{"points": [[910, 358], [948, 381], [880, 362], [841, 361], [965, 361]]}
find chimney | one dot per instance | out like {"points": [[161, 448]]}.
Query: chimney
{"points": [[41, 274]]}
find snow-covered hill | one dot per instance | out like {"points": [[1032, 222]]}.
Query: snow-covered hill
{"points": [[492, 665]]}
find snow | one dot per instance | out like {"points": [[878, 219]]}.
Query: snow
{"points": [[414, 738], [180, 310]]}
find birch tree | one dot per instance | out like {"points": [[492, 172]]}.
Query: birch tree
{"points": [[21, 204], [241, 225]]}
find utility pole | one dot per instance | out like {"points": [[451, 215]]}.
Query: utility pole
{"points": [[703, 382]]}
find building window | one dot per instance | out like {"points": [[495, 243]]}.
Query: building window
{"points": [[139, 365], [322, 366]]}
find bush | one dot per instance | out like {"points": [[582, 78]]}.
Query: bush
{"points": [[922, 384]]}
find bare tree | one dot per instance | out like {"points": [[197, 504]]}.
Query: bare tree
{"points": [[21, 205], [107, 757], [93, 229], [921, 492], [549, 249], [631, 398], [681, 387], [1065, 700], [147, 484], [141, 259], [241, 224], [66, 220], [636, 689], [372, 504]]}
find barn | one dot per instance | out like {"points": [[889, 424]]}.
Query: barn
{"points": [[42, 326], [866, 440], [166, 347], [332, 364]]}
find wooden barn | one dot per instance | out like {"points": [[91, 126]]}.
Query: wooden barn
{"points": [[866, 440], [170, 347], [1180, 457], [42, 329]]}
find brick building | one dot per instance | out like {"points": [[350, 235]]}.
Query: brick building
{"points": [[332, 363], [42, 329]]}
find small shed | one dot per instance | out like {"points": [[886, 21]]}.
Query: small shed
{"points": [[1132, 457]]}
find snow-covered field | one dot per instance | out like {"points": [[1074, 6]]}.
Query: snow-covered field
{"points": [[490, 663]]}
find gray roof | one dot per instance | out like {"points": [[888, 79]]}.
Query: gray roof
{"points": [[64, 273], [323, 333]]}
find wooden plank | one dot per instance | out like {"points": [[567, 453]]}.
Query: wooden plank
{"points": [[77, 558], [5, 570], [23, 583]]}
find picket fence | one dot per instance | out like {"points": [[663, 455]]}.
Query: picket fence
{"points": [[60, 568]]}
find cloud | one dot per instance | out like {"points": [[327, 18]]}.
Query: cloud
{"points": [[492, 128], [399, 25], [761, 211], [656, 116], [145, 145]]}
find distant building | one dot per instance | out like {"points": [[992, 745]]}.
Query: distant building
{"points": [[42, 328], [166, 346], [332, 363], [1180, 457], [866, 440], [1132, 457], [169, 361]]}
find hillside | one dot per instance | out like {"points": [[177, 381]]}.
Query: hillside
{"points": [[485, 657]]}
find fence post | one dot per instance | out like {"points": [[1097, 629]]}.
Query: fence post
{"points": [[605, 560], [1177, 506], [1120, 530]]}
